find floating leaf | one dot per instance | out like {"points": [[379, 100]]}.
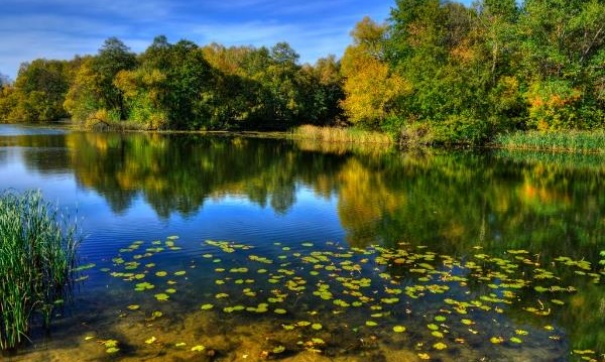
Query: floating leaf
{"points": [[110, 343], [134, 307], [162, 297], [399, 329], [371, 324], [316, 326], [496, 340], [151, 340], [279, 349], [206, 307], [198, 348], [440, 346], [280, 311]]}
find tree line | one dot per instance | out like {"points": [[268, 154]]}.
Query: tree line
{"points": [[436, 72]]}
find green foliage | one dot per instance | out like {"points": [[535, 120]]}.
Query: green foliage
{"points": [[36, 261], [575, 141], [38, 92], [436, 72], [499, 66], [113, 57]]}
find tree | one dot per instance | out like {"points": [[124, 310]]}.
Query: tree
{"points": [[39, 91], [4, 80], [114, 56], [373, 91]]}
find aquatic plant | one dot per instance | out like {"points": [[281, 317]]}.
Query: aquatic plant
{"points": [[332, 134], [569, 141], [37, 258], [310, 289]]}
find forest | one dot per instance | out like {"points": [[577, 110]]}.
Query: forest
{"points": [[435, 72]]}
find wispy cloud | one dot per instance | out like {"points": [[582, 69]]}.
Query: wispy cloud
{"points": [[60, 29]]}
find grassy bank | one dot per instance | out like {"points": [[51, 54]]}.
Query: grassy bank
{"points": [[568, 141], [36, 259], [332, 134]]}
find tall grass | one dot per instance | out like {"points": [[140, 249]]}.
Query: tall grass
{"points": [[573, 141], [37, 256], [332, 134]]}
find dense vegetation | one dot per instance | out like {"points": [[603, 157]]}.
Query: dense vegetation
{"points": [[437, 71], [37, 258]]}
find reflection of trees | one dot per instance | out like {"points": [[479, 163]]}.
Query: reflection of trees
{"points": [[178, 173], [43, 153], [455, 201], [450, 202]]}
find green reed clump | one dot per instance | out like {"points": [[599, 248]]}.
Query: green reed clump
{"points": [[573, 141], [37, 257]]}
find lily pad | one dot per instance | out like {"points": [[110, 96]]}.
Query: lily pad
{"points": [[399, 329], [162, 297]]}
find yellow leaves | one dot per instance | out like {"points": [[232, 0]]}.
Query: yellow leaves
{"points": [[370, 86], [552, 105]]}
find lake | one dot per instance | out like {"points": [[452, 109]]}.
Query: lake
{"points": [[227, 248]]}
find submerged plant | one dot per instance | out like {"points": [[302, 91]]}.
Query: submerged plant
{"points": [[37, 258]]}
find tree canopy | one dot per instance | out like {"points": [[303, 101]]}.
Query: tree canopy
{"points": [[436, 71]]}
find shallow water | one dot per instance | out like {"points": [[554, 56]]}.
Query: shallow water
{"points": [[302, 252]]}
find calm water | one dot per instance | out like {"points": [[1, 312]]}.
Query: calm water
{"points": [[263, 249]]}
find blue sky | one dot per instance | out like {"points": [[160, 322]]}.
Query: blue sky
{"points": [[60, 29]]}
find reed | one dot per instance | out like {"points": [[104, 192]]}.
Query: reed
{"points": [[333, 134], [570, 141], [37, 257]]}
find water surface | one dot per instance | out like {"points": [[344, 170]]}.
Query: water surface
{"points": [[269, 249]]}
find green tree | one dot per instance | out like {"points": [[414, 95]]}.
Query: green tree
{"points": [[39, 91], [114, 56], [562, 46], [187, 77]]}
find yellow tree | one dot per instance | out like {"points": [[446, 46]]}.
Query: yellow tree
{"points": [[373, 91]]}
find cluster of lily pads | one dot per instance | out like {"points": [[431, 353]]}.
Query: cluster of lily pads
{"points": [[419, 299]]}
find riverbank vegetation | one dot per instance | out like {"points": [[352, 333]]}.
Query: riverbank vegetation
{"points": [[570, 141], [37, 256], [437, 72]]}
